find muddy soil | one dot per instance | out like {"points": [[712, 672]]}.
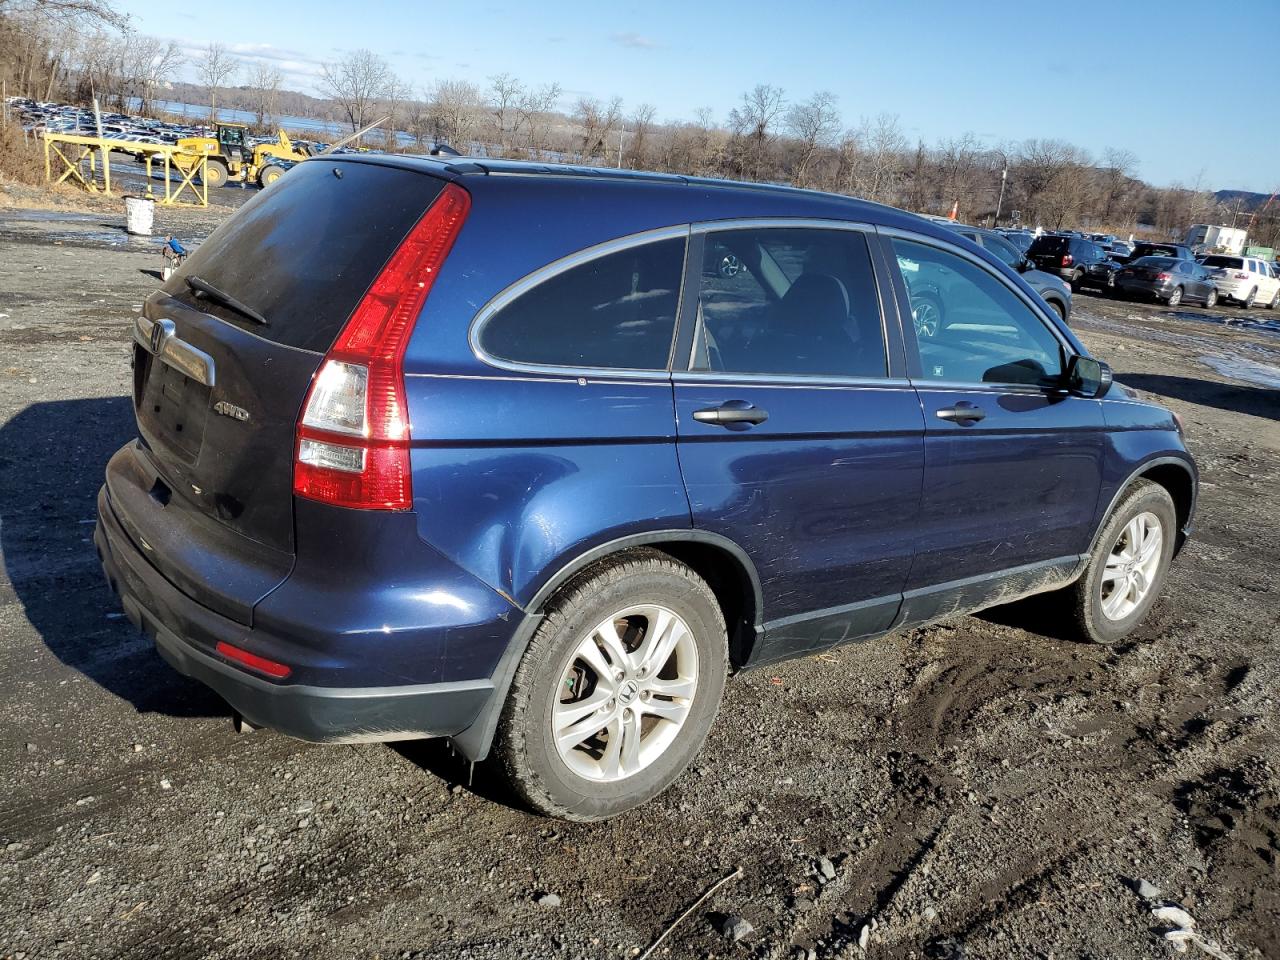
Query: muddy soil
{"points": [[985, 788]]}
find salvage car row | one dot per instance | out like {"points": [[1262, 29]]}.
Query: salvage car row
{"points": [[1167, 272]]}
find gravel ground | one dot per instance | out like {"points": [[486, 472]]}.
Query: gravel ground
{"points": [[981, 789]]}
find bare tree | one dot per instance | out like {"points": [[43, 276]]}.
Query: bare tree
{"points": [[814, 124], [264, 82], [641, 127], [148, 62], [596, 120], [215, 67], [454, 107], [1118, 168], [534, 108], [752, 122], [505, 92], [357, 82]]}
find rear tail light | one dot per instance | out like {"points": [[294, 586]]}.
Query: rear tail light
{"points": [[1164, 276], [353, 436], [1067, 260]]}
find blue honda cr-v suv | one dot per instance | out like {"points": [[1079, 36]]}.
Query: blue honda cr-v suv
{"points": [[531, 457]]}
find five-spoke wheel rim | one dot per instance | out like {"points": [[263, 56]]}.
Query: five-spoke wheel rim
{"points": [[625, 693], [1132, 566]]}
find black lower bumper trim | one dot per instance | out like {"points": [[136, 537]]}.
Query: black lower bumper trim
{"points": [[319, 714]]}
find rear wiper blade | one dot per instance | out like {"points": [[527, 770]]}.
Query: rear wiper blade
{"points": [[203, 288]]}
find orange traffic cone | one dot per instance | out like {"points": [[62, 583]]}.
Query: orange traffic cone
{"points": [[955, 211]]}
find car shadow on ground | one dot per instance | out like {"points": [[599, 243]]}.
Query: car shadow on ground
{"points": [[439, 759], [1257, 401], [52, 457]]}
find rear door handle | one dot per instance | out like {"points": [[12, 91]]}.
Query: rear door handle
{"points": [[962, 412], [733, 411]]}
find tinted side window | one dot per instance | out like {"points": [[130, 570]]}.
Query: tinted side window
{"points": [[789, 302], [1002, 250], [616, 311], [970, 326]]}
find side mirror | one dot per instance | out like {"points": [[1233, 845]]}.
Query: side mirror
{"points": [[1087, 377], [1026, 264]]}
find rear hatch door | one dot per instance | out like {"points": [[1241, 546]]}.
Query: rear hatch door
{"points": [[217, 393]]}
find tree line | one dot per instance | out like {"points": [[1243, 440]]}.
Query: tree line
{"points": [[78, 49]]}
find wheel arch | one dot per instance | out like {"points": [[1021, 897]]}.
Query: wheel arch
{"points": [[1177, 477], [725, 566]]}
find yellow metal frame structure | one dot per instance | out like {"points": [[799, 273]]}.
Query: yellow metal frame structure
{"points": [[98, 149]]}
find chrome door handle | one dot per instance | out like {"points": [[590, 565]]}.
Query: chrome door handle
{"points": [[962, 412]]}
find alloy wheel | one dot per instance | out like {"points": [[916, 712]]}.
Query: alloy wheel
{"points": [[625, 693], [1132, 566], [927, 319], [1175, 298]]}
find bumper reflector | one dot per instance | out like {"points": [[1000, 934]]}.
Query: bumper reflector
{"points": [[254, 662]]}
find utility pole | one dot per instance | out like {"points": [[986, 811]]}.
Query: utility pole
{"points": [[1004, 175], [622, 128]]}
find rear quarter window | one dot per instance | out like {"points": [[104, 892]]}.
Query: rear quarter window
{"points": [[615, 311], [304, 251]]}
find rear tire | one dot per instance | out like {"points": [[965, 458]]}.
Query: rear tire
{"points": [[635, 598], [1077, 281], [1175, 298], [1248, 301], [215, 173], [1100, 612]]}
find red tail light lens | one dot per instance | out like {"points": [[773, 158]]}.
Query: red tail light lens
{"points": [[254, 662], [353, 436], [1067, 260], [1164, 276]]}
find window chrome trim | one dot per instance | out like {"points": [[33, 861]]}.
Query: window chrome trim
{"points": [[781, 223], [797, 381], [949, 247], [555, 268]]}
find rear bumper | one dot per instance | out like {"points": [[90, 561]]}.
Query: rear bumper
{"points": [[1150, 288], [186, 634]]}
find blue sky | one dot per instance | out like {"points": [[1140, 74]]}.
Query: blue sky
{"points": [[1004, 72]]}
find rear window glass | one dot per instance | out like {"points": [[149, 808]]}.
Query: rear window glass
{"points": [[303, 252], [1230, 263], [1155, 250], [1154, 262], [616, 311], [1049, 244]]}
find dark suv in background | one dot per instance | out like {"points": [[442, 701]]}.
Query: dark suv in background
{"points": [[1069, 257], [531, 458]]}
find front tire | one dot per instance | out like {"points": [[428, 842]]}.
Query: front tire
{"points": [[617, 690], [1127, 566], [215, 173], [1275, 301], [1211, 300]]}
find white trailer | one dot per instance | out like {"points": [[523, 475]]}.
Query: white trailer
{"points": [[1207, 238]]}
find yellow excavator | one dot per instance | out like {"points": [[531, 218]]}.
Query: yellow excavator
{"points": [[230, 155]]}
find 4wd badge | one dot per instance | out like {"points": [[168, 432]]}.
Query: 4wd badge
{"points": [[230, 410]]}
